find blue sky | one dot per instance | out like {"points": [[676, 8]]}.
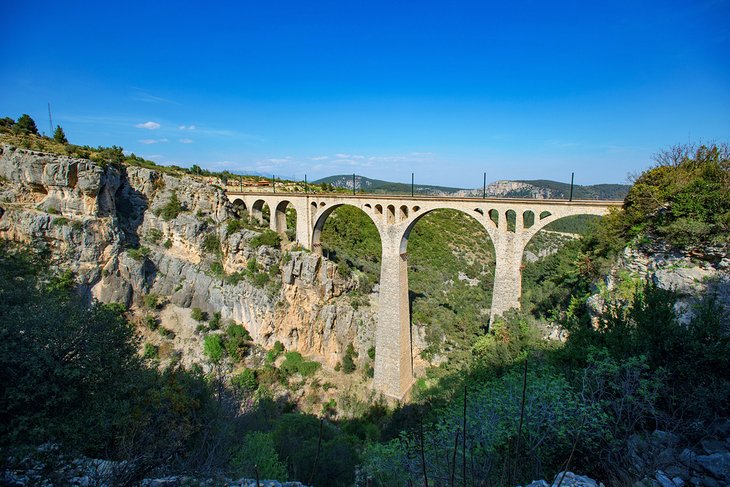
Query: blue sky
{"points": [[448, 90]]}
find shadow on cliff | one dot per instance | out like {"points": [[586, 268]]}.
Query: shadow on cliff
{"points": [[131, 205]]}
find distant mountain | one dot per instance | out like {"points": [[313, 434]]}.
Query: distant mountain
{"points": [[539, 189]]}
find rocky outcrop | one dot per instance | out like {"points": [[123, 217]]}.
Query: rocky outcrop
{"points": [[48, 466], [662, 460], [108, 225], [510, 189], [567, 479], [692, 275]]}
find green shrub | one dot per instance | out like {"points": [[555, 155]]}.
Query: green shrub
{"points": [[260, 279], [169, 334], [268, 238], [274, 353], [348, 361], [217, 270], [215, 321], [371, 353], [172, 208], [139, 254], [237, 341], [153, 236], [167, 244], [257, 457], [198, 314], [150, 322], [212, 244], [151, 301], [233, 225], [245, 381], [151, 352], [213, 348]]}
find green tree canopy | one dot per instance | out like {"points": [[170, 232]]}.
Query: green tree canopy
{"points": [[26, 125], [59, 135]]}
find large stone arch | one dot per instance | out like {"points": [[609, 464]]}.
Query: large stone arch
{"points": [[478, 217], [473, 222], [542, 222], [321, 217]]}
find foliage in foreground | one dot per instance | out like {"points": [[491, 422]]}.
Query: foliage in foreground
{"points": [[71, 374]]}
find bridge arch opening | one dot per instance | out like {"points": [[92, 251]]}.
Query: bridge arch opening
{"points": [[285, 218], [260, 213], [494, 216], [240, 209], [451, 263], [510, 217], [347, 235], [391, 214], [554, 245], [528, 219]]}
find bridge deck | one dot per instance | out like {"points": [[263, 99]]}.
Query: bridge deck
{"points": [[462, 199]]}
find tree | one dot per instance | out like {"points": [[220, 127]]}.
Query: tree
{"points": [[26, 125], [59, 136]]}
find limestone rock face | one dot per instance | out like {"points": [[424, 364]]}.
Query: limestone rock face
{"points": [[92, 218], [690, 275]]}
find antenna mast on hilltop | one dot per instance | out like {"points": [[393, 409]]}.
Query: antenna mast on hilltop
{"points": [[50, 120]]}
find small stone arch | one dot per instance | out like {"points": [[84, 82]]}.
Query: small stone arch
{"points": [[391, 214], [416, 209], [403, 215], [510, 217], [544, 214], [379, 210], [528, 219], [494, 217]]}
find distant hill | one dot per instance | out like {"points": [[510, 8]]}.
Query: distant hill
{"points": [[540, 188], [384, 187]]}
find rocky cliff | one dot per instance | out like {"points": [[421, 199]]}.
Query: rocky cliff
{"points": [[130, 232]]}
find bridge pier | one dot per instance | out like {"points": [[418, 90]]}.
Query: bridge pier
{"points": [[393, 353], [507, 290]]}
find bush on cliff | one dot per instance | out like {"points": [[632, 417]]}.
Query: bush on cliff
{"points": [[71, 374], [685, 199]]}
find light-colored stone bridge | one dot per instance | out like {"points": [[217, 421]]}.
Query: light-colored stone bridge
{"points": [[395, 217]]}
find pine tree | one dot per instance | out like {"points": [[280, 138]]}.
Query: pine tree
{"points": [[26, 125], [59, 136]]}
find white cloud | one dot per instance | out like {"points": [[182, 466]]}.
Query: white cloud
{"points": [[319, 158], [186, 141], [148, 125], [187, 127], [152, 141]]}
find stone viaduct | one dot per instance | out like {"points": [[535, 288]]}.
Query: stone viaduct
{"points": [[395, 217]]}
